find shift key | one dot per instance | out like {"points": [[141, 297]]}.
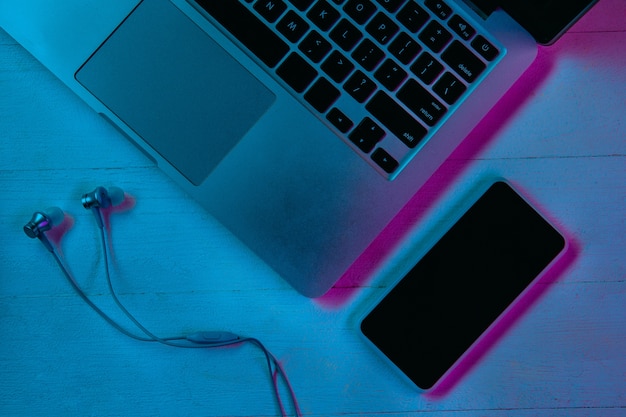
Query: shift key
{"points": [[396, 119]]}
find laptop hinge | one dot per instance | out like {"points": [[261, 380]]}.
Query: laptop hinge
{"points": [[484, 8]]}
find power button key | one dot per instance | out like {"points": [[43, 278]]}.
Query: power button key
{"points": [[485, 48]]}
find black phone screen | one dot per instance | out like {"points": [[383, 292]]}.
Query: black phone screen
{"points": [[546, 20], [462, 284]]}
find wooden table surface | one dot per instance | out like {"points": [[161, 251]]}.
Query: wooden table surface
{"points": [[559, 135]]}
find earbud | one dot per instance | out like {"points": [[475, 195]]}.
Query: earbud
{"points": [[42, 222], [102, 198]]}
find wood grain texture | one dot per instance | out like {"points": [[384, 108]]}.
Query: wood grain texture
{"points": [[560, 136]]}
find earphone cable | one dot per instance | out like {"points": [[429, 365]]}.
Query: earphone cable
{"points": [[274, 371], [132, 318], [43, 221], [91, 304], [168, 341]]}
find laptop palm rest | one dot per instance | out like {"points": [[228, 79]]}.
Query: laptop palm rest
{"points": [[176, 88]]}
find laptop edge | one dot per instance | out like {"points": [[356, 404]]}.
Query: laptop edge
{"points": [[307, 214]]}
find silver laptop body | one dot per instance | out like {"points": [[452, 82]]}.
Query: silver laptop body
{"points": [[282, 176]]}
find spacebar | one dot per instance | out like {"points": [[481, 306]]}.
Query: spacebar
{"points": [[248, 29]]}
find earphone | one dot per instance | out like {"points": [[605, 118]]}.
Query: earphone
{"points": [[103, 198], [41, 222]]}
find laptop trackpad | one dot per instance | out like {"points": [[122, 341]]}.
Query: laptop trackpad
{"points": [[176, 88]]}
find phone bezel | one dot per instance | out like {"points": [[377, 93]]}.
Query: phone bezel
{"points": [[425, 246]]}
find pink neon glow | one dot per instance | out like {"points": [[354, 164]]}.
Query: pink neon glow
{"points": [[57, 232], [512, 102]]}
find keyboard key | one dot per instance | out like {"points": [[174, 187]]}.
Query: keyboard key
{"points": [[390, 75], [449, 88], [360, 10], [390, 5], [359, 86], [404, 48], [461, 27], [421, 102], [384, 160], [413, 16], [463, 61], [323, 15], [248, 29], [435, 36], [368, 55], [426, 68], [485, 48], [396, 119], [292, 26], [366, 135], [270, 9], [302, 5], [339, 120], [346, 35], [337, 66], [315, 47], [296, 72], [322, 95], [439, 8], [382, 28]]}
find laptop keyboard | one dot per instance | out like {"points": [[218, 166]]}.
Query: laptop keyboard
{"points": [[383, 74]]}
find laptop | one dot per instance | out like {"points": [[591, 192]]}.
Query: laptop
{"points": [[303, 126]]}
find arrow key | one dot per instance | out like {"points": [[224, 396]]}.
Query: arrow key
{"points": [[339, 120], [366, 135], [384, 160]]}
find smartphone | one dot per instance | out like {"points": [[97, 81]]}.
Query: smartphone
{"points": [[463, 283]]}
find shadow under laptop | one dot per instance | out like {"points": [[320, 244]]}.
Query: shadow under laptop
{"points": [[361, 271]]}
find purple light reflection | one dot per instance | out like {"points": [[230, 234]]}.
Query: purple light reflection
{"points": [[513, 101]]}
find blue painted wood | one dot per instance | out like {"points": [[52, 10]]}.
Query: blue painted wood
{"points": [[560, 136]]}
